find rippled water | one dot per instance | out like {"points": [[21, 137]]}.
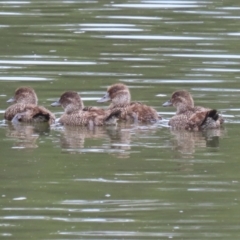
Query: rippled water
{"points": [[124, 182]]}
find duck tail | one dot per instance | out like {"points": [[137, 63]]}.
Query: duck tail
{"points": [[213, 114], [112, 117], [203, 120], [113, 114]]}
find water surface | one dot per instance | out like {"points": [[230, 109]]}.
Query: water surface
{"points": [[129, 181]]}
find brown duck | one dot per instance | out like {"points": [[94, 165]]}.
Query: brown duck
{"points": [[76, 115], [120, 98], [190, 117]]}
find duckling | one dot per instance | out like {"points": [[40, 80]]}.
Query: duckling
{"points": [[120, 98], [25, 108], [190, 117], [76, 115]]}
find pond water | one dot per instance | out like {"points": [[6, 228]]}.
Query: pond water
{"points": [[129, 181]]}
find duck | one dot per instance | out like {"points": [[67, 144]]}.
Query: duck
{"points": [[119, 96], [191, 117], [75, 114], [25, 108]]}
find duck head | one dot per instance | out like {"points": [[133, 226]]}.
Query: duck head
{"points": [[181, 100], [25, 95], [70, 101], [118, 94]]}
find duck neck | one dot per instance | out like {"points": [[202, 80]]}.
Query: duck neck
{"points": [[181, 108], [28, 100], [121, 100], [70, 108]]}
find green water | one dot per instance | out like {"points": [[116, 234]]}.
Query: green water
{"points": [[124, 182]]}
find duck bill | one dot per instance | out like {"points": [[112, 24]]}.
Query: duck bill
{"points": [[11, 100], [56, 104], [105, 98], [167, 104]]}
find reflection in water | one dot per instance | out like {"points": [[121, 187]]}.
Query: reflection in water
{"points": [[73, 139], [112, 140], [135, 136], [26, 135], [116, 140], [186, 142], [120, 139]]}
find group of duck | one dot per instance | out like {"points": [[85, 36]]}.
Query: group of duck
{"points": [[188, 116]]}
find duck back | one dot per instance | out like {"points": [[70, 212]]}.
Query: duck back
{"points": [[28, 113], [137, 112], [91, 117]]}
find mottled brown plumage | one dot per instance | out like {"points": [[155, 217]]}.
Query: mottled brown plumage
{"points": [[190, 117], [77, 115], [120, 98], [201, 120], [26, 109]]}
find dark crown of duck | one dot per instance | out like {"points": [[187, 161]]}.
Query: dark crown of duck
{"points": [[25, 95], [70, 101], [180, 99], [118, 94]]}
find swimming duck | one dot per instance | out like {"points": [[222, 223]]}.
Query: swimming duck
{"points": [[25, 108], [120, 98], [190, 117], [76, 115]]}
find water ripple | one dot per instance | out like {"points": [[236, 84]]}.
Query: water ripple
{"points": [[49, 63], [14, 2], [155, 6], [24, 78], [131, 17], [112, 181], [217, 89], [112, 29], [216, 69], [110, 202], [98, 220], [224, 56], [121, 234], [155, 37], [210, 190], [182, 81]]}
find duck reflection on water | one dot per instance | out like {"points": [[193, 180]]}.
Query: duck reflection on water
{"points": [[130, 138], [73, 139], [26, 135], [115, 140], [120, 141], [185, 143]]}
